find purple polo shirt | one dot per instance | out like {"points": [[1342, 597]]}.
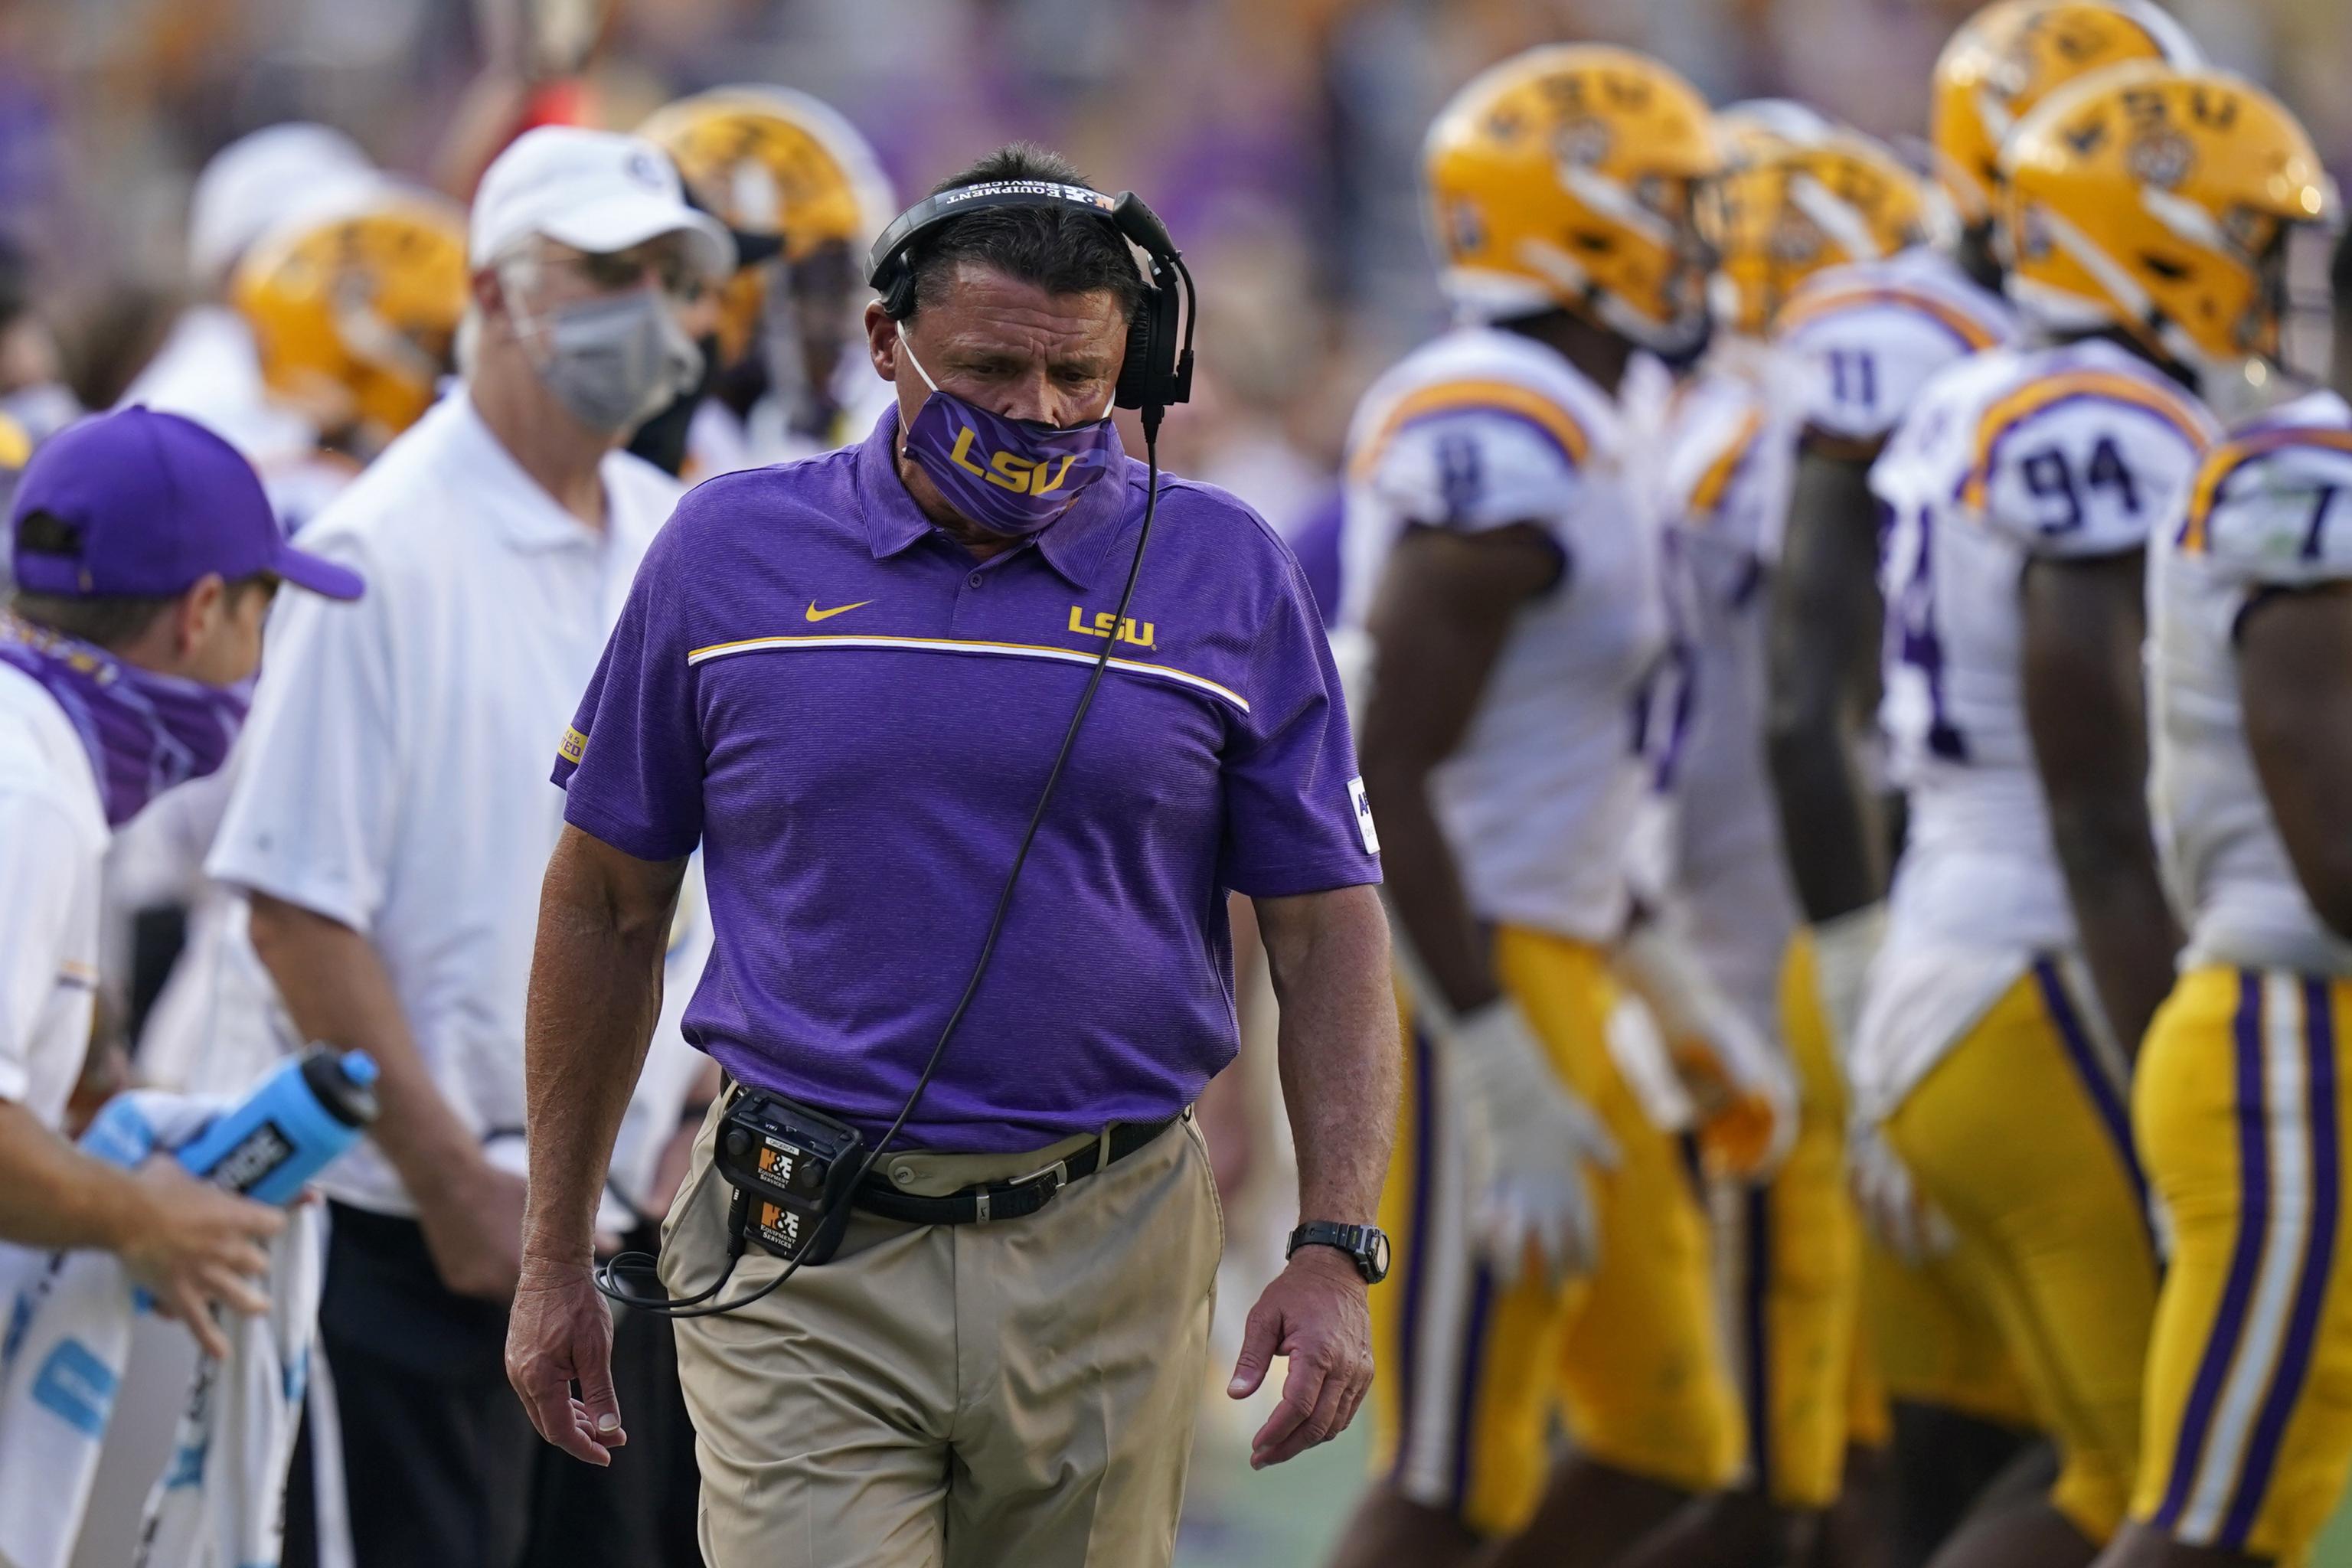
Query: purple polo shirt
{"points": [[853, 718]]}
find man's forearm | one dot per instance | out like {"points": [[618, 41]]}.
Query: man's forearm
{"points": [[1823, 644], [596, 997], [2129, 934], [1827, 821], [1424, 889], [2085, 710], [335, 988], [1339, 1054], [52, 1196]]}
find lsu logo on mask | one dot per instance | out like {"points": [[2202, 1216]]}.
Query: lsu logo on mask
{"points": [[1010, 470], [1099, 625]]}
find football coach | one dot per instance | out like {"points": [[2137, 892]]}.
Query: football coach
{"points": [[849, 679]]}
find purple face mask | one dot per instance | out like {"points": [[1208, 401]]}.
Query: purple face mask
{"points": [[1011, 477], [144, 731]]}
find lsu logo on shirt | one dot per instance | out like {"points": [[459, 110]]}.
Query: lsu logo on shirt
{"points": [[1098, 624]]}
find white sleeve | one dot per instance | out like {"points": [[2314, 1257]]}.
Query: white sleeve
{"points": [[314, 812], [2276, 513], [1472, 469], [40, 859], [2083, 476]]}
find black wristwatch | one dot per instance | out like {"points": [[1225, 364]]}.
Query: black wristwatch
{"points": [[1366, 1245]]}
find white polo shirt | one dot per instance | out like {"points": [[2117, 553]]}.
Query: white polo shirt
{"points": [[53, 838], [393, 776]]}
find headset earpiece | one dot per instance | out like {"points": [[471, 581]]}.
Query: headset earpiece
{"points": [[899, 290], [1147, 378], [1135, 369]]}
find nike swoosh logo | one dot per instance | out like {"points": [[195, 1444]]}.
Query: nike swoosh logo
{"points": [[816, 615]]}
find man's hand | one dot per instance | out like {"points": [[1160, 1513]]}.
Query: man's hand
{"points": [[561, 1332], [1745, 1092], [1315, 1314], [1739, 1082], [1529, 1139], [1906, 1221], [472, 1219], [191, 1245]]}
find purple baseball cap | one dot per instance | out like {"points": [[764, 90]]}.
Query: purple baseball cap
{"points": [[158, 501]]}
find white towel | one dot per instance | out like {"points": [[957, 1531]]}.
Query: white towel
{"points": [[218, 1503]]}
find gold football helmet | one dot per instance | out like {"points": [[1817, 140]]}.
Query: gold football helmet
{"points": [[773, 163], [2013, 54], [2158, 202], [1566, 178], [1756, 126], [1784, 210], [355, 311]]}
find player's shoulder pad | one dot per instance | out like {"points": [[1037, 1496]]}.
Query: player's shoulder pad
{"points": [[1871, 334], [1480, 429], [2082, 451], [2272, 504]]}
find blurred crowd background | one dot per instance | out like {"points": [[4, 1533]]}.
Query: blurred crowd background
{"points": [[1278, 137]]}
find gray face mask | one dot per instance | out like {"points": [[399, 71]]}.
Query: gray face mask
{"points": [[616, 362]]}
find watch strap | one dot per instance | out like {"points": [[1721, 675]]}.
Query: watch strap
{"points": [[1359, 1242]]}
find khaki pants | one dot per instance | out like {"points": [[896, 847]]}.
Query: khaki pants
{"points": [[953, 1396]]}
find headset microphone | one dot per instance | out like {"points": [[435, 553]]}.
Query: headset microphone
{"points": [[796, 1173]]}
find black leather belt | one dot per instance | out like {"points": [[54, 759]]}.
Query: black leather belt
{"points": [[1016, 1199]]}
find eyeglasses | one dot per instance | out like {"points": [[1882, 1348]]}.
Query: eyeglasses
{"points": [[615, 272]]}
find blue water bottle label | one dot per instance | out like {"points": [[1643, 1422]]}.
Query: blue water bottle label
{"points": [[254, 1157]]}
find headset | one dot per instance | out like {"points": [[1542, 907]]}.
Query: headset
{"points": [[1157, 373]]}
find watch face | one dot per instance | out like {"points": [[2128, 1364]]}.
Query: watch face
{"points": [[1378, 1252]]}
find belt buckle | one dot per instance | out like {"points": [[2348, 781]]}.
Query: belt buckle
{"points": [[1058, 1173]]}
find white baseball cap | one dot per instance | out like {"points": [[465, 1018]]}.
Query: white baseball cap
{"points": [[261, 180], [597, 191]]}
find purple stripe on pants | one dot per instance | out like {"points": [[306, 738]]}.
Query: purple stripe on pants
{"points": [[2245, 1259]]}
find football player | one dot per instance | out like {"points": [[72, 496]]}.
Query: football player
{"points": [[1873, 334], [2239, 1099], [1800, 195], [207, 368], [2021, 490], [787, 374], [354, 317], [1498, 569]]}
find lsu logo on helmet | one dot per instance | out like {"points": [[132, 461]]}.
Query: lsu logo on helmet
{"points": [[1566, 178], [2159, 202], [2013, 54]]}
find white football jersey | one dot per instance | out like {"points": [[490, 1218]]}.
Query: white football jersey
{"points": [[2271, 509], [1476, 430], [2070, 452], [1726, 462], [1869, 335]]}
